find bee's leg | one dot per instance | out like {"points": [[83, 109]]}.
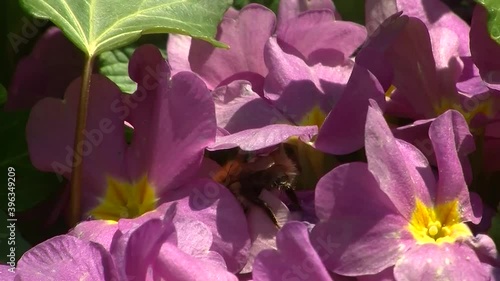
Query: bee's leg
{"points": [[263, 205]]}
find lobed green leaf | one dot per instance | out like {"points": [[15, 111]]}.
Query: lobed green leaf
{"points": [[493, 7], [96, 26]]}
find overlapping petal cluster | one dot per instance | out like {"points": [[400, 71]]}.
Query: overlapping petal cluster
{"points": [[388, 125]]}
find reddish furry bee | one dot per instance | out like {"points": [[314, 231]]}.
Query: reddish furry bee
{"points": [[247, 175]]}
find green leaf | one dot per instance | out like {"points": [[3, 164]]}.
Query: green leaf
{"points": [[114, 64], [493, 7], [10, 240], [31, 185], [238, 4], [96, 26], [351, 10]]}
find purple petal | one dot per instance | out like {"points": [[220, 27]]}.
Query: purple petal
{"points": [[339, 137], [193, 236], [217, 208], [417, 134], [262, 229], [203, 205], [255, 139], [147, 64], [361, 245], [415, 74], [173, 120], [448, 132], [179, 266], [361, 231], [337, 190], [319, 26], [66, 256], [239, 108], [295, 257], [385, 275], [98, 231], [432, 12], [483, 47], [290, 9], [433, 262], [372, 55], [246, 40], [285, 69], [164, 212], [7, 272], [308, 211], [445, 48], [231, 13], [421, 163], [296, 88], [178, 52], [473, 86], [50, 136], [485, 249], [395, 172], [46, 72], [138, 249]]}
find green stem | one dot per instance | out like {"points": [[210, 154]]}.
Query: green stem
{"points": [[81, 124]]}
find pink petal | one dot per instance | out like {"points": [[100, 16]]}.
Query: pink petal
{"points": [[246, 40], [290, 9], [98, 231], [361, 245], [449, 132], [174, 120], [433, 13], [338, 137], [295, 258], [46, 72], [434, 262], [262, 229], [255, 139], [178, 52], [395, 172], [319, 26], [239, 108], [66, 256], [50, 136]]}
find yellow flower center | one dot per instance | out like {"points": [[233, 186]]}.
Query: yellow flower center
{"points": [[125, 200], [313, 163], [314, 117], [469, 111], [389, 92], [437, 225]]}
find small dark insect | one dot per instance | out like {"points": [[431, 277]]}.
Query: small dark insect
{"points": [[246, 176]]}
